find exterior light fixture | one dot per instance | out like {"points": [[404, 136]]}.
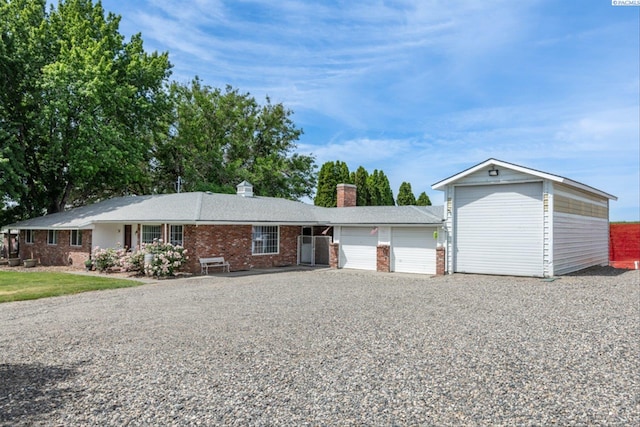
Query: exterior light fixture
{"points": [[493, 172]]}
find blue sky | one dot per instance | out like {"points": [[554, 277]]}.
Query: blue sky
{"points": [[427, 88]]}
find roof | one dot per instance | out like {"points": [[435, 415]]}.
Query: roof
{"points": [[544, 175], [378, 215], [213, 208]]}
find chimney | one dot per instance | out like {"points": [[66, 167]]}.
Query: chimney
{"points": [[346, 195], [244, 189]]}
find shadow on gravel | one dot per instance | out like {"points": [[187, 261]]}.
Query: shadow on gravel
{"points": [[29, 390], [274, 270], [599, 271]]}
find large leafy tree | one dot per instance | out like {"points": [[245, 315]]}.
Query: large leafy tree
{"points": [[331, 174], [81, 109], [405, 195], [222, 137]]}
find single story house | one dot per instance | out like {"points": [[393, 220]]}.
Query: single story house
{"points": [[247, 230], [499, 218]]}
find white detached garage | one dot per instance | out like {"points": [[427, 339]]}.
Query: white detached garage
{"points": [[506, 219]]}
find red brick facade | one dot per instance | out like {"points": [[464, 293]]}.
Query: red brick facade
{"points": [[233, 242], [334, 254], [62, 253], [440, 261], [383, 258]]}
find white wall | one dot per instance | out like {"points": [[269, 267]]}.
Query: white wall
{"points": [[579, 241], [107, 235]]}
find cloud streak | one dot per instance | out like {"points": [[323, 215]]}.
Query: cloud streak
{"points": [[425, 88]]}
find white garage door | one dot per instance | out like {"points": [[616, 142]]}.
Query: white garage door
{"points": [[358, 248], [413, 250], [498, 229]]}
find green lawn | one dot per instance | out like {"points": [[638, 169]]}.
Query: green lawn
{"points": [[19, 286]]}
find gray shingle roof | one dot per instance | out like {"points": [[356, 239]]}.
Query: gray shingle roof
{"points": [[202, 207], [380, 215]]}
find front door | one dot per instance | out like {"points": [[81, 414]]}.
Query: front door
{"points": [[127, 237]]}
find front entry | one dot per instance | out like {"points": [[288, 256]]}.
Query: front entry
{"points": [[127, 237]]}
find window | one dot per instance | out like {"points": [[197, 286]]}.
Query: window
{"points": [[150, 233], [265, 239], [29, 236], [76, 237], [175, 235], [52, 237]]}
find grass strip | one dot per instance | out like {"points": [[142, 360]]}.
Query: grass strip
{"points": [[20, 286]]}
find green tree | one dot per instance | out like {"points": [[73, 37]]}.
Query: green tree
{"points": [[359, 178], [405, 195], [220, 138], [83, 107], [380, 193], [21, 59], [331, 174], [423, 200]]}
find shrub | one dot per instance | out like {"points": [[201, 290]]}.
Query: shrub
{"points": [[105, 259], [167, 258], [134, 261]]}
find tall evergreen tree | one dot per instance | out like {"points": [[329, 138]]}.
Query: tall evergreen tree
{"points": [[380, 193], [359, 178], [385, 190], [331, 174], [405, 195], [423, 200]]}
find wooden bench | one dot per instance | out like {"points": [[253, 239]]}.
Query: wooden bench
{"points": [[205, 263]]}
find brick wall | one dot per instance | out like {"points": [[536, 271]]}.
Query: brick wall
{"points": [[61, 253], [233, 242], [346, 195], [334, 254], [440, 261], [383, 258]]}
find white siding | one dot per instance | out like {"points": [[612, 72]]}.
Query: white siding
{"points": [[579, 242], [498, 229], [358, 248], [413, 250], [482, 177]]}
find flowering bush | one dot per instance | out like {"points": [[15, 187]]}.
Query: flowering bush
{"points": [[133, 261], [104, 259], [167, 258]]}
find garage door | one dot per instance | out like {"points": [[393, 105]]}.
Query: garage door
{"points": [[498, 229], [413, 250], [358, 248]]}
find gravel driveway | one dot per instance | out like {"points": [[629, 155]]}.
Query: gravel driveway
{"points": [[328, 347]]}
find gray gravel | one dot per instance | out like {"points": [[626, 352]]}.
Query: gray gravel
{"points": [[328, 347]]}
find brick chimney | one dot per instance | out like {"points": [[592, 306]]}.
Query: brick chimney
{"points": [[346, 195]]}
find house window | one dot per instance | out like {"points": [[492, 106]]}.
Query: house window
{"points": [[52, 237], [150, 233], [265, 239], [76, 237], [29, 236], [175, 235]]}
